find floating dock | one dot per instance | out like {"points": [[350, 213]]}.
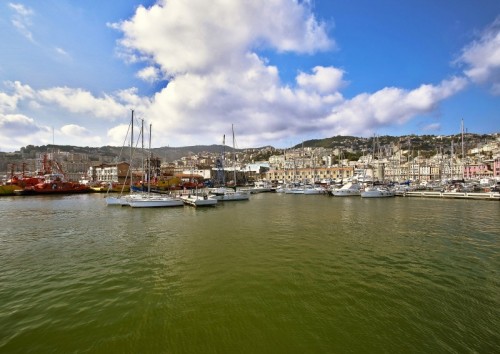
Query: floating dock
{"points": [[454, 195]]}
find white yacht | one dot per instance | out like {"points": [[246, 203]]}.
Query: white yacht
{"points": [[347, 190], [199, 200], [261, 186], [155, 201], [311, 190], [377, 192], [224, 194]]}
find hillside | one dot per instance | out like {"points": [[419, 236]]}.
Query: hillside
{"points": [[424, 144]]}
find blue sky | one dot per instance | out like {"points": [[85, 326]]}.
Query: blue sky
{"points": [[280, 71]]}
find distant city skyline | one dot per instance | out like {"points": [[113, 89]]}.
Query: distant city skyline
{"points": [[280, 71]]}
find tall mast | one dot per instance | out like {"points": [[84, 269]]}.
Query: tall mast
{"points": [[221, 179], [451, 160], [142, 153], [463, 155], [131, 147], [234, 157], [149, 161]]}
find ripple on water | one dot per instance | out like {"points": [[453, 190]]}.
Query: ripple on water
{"points": [[280, 272]]}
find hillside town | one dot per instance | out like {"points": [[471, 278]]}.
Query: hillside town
{"points": [[444, 158]]}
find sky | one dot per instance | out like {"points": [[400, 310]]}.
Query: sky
{"points": [[276, 72]]}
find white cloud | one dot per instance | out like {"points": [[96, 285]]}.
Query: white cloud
{"points": [[118, 135], [365, 113], [198, 36], [62, 53], [18, 130], [482, 58], [84, 137], [149, 74], [21, 19], [217, 80], [7, 102], [324, 80], [18, 92], [205, 48], [14, 122], [209, 51], [81, 101], [75, 130], [433, 127]]}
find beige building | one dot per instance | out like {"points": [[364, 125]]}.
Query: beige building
{"points": [[309, 174]]}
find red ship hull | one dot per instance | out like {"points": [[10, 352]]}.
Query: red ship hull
{"points": [[54, 188]]}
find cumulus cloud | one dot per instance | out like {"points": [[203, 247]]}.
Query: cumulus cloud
{"points": [[7, 102], [19, 130], [209, 51], [81, 134], [81, 101], [75, 130], [17, 92], [482, 58], [16, 128], [198, 36], [14, 122], [324, 80], [211, 54], [149, 74], [118, 135], [389, 106], [75, 100]]}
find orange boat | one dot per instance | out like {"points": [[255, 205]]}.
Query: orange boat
{"points": [[54, 183], [23, 181]]}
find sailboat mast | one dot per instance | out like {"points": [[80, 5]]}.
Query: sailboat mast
{"points": [[149, 161], [131, 148], [142, 154], [463, 155], [234, 157]]}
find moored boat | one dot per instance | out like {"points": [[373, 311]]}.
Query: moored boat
{"points": [[224, 194], [261, 187], [155, 201], [347, 190], [198, 200], [54, 183], [313, 190], [377, 192]]}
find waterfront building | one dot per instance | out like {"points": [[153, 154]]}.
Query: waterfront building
{"points": [[478, 170], [496, 168], [309, 174], [116, 173]]}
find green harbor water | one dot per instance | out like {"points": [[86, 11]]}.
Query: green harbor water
{"points": [[275, 274]]}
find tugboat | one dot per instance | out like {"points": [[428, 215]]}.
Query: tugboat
{"points": [[53, 183]]}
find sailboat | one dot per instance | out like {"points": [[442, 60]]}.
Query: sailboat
{"points": [[121, 199], [224, 193], [196, 200], [153, 200]]}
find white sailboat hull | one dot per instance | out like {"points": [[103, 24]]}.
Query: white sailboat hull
{"points": [[195, 200], [155, 202], [377, 193]]}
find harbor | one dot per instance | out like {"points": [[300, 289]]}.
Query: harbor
{"points": [[281, 273]]}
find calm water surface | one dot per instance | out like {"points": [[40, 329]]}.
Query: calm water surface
{"points": [[276, 274]]}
